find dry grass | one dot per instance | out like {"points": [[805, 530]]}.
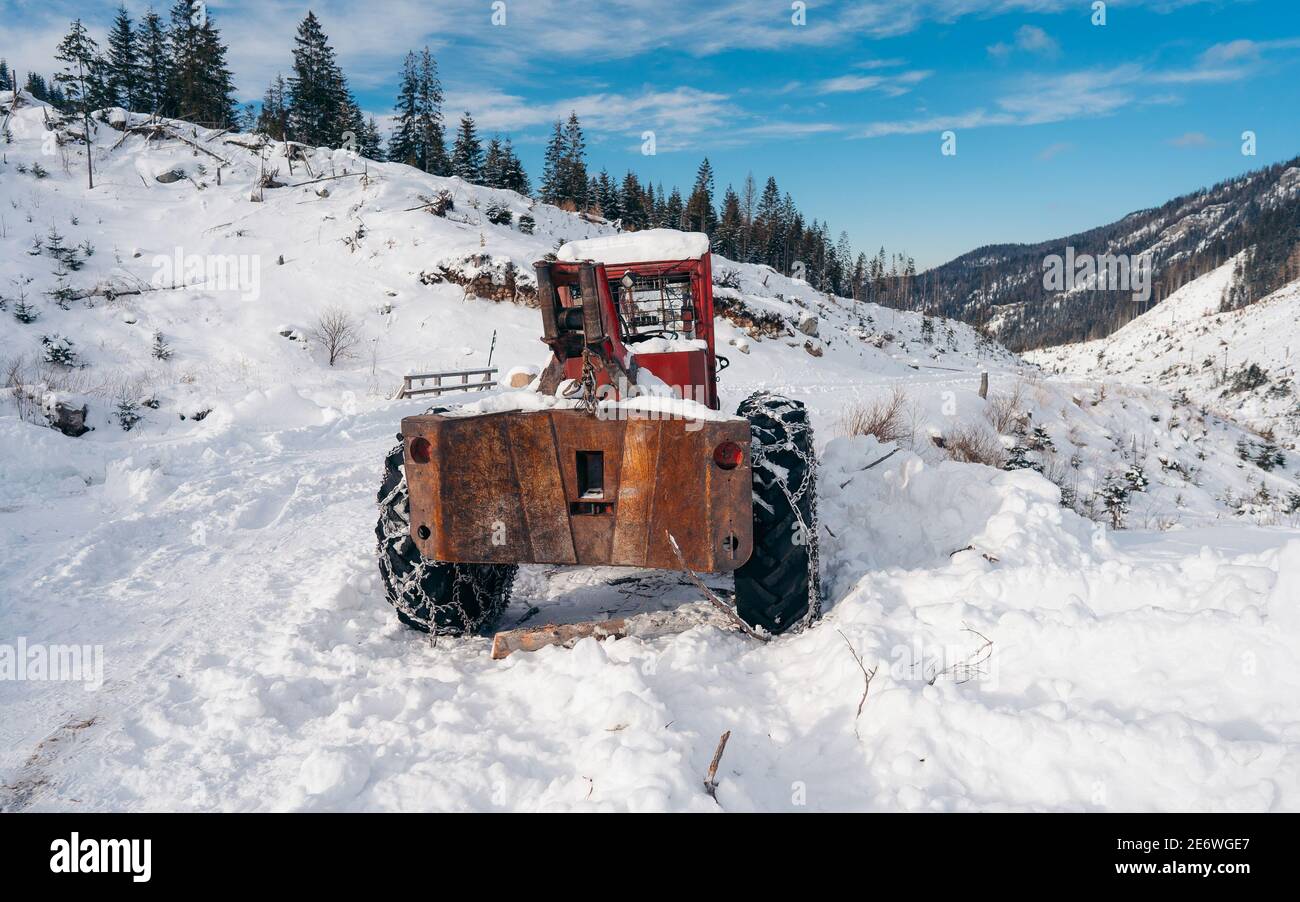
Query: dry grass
{"points": [[889, 419], [972, 443], [16, 377], [1006, 411]]}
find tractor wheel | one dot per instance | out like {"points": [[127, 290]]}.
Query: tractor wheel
{"points": [[432, 596], [778, 587]]}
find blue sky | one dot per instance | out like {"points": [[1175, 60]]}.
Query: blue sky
{"points": [[1061, 124]]}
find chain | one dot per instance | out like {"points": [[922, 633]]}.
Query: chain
{"points": [[584, 389], [807, 486]]}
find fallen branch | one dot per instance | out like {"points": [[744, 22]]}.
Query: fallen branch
{"points": [[195, 145], [710, 784], [984, 554], [256, 147], [327, 178], [713, 599], [880, 460], [969, 667]]}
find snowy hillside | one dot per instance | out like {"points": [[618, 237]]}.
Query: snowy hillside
{"points": [[1238, 364], [221, 550]]}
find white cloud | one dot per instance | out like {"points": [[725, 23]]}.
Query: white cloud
{"points": [[1085, 94], [893, 85], [1244, 51], [1191, 139], [1030, 39], [1054, 150]]}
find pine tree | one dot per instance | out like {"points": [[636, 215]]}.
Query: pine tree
{"points": [[700, 215], [154, 58], [730, 226], [1114, 494], [81, 75], [321, 108], [674, 210], [768, 233], [403, 145], [633, 203], [607, 197], [36, 87], [123, 65], [418, 139], [200, 87], [661, 207], [575, 163], [553, 173], [467, 155], [432, 136], [844, 265], [369, 143], [273, 118], [492, 164], [513, 175], [748, 205], [160, 350]]}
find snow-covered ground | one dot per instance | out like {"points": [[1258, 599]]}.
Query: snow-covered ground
{"points": [[1188, 343], [1024, 657]]}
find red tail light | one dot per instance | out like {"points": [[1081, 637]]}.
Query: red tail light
{"points": [[421, 450], [728, 455]]}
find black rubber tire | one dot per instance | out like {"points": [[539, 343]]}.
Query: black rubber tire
{"points": [[778, 587], [432, 596]]}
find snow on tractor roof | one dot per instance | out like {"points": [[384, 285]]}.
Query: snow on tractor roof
{"points": [[648, 246]]}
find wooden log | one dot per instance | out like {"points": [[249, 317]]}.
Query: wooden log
{"points": [[566, 634], [645, 626]]}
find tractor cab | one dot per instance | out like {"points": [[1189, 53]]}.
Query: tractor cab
{"points": [[640, 303]]}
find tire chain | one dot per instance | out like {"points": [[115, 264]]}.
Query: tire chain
{"points": [[808, 485], [395, 523]]}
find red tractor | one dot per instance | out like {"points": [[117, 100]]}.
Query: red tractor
{"points": [[617, 456]]}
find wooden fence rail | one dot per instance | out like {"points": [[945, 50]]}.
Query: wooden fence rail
{"points": [[408, 389]]}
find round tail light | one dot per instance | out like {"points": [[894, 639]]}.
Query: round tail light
{"points": [[728, 455], [421, 450]]}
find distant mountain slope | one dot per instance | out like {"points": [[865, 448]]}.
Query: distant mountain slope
{"points": [[1001, 286], [1239, 364]]}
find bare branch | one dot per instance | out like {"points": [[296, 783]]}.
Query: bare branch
{"points": [[336, 333], [714, 599], [867, 677]]}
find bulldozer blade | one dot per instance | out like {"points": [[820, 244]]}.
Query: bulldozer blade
{"points": [[562, 487]]}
